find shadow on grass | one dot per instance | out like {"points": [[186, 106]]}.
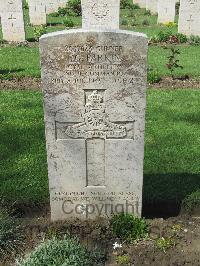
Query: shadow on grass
{"points": [[10, 71], [163, 193], [23, 167], [51, 24], [32, 39], [191, 118]]}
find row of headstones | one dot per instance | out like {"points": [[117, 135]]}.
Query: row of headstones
{"points": [[12, 17], [38, 9], [12, 21], [189, 19]]}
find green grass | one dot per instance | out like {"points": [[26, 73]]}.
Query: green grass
{"points": [[172, 168], [23, 168], [138, 16], [172, 153], [192, 202], [189, 59], [24, 61], [19, 61]]}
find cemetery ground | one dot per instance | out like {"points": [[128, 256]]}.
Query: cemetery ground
{"points": [[171, 167]]}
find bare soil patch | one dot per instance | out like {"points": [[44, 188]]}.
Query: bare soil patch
{"points": [[169, 83], [26, 83], [185, 251]]}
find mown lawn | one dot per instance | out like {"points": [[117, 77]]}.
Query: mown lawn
{"points": [[171, 169], [19, 62]]}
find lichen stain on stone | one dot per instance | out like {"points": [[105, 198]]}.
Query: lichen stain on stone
{"points": [[91, 40]]}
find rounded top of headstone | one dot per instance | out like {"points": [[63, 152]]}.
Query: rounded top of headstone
{"points": [[77, 31]]}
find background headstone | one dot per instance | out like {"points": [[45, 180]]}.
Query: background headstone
{"points": [[100, 14], [94, 86], [51, 6], [62, 3], [166, 11], [189, 17], [37, 12], [141, 3], [12, 20], [152, 5]]}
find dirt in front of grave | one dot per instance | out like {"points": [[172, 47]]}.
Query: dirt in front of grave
{"points": [[184, 230], [26, 83], [169, 83], [185, 249], [29, 83]]}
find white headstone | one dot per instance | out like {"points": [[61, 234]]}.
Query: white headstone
{"points": [[100, 14], [51, 6], [152, 5], [189, 17], [166, 11], [37, 12], [12, 20], [62, 3], [94, 84], [141, 3]]}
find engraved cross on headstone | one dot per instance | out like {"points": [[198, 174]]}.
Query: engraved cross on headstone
{"points": [[190, 20], [12, 18], [100, 14], [96, 128]]}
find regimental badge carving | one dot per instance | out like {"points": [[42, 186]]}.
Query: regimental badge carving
{"points": [[100, 10], [96, 122]]}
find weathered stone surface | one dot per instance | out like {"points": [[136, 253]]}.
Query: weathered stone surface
{"points": [[141, 3], [189, 18], [94, 97], [166, 11], [12, 20], [100, 14], [37, 12], [152, 5], [62, 3], [51, 6]]}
